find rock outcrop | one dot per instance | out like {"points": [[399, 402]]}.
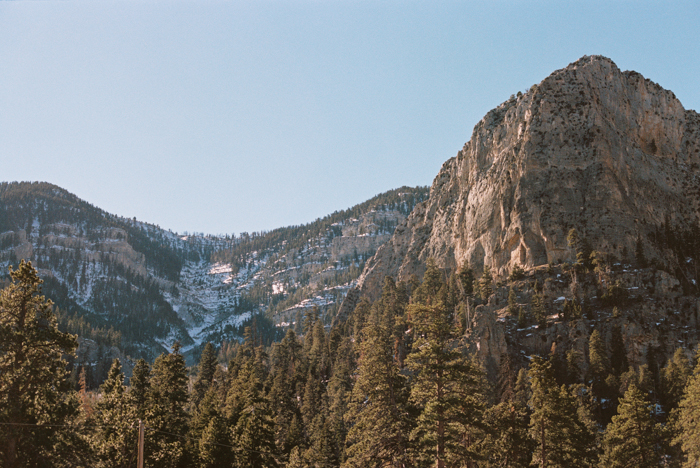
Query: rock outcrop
{"points": [[607, 152]]}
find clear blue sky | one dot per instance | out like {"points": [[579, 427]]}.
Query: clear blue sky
{"points": [[221, 117]]}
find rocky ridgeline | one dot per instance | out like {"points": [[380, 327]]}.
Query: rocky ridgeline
{"points": [[607, 152], [109, 245]]}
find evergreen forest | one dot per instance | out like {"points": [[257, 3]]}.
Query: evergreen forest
{"points": [[393, 385]]}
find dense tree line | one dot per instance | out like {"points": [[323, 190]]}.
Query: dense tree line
{"points": [[392, 386]]}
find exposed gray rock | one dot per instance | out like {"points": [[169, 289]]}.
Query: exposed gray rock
{"points": [[607, 152]]}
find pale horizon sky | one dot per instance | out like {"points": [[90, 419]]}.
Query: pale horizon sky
{"points": [[228, 116]]}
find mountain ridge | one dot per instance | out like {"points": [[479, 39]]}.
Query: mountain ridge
{"points": [[550, 160], [155, 286]]}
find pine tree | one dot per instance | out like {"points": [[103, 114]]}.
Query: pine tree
{"points": [[432, 283], [466, 279], [139, 388], [321, 451], [359, 315], [254, 433], [312, 399], [632, 438], [214, 445], [507, 378], [641, 378], [574, 360], [508, 442], [674, 378], [85, 405], [166, 415], [282, 391], [512, 303], [207, 368], [208, 409], [287, 364], [239, 380], [688, 420], [296, 459], [523, 390], [316, 345], [599, 364], [339, 389], [538, 311], [582, 249], [486, 284], [618, 358], [516, 273], [377, 413], [34, 385], [448, 388], [562, 439], [522, 318], [116, 430]]}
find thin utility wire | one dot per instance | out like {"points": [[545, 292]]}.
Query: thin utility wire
{"points": [[74, 426]]}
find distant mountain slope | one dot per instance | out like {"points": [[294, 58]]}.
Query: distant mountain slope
{"points": [[113, 271], [154, 286], [315, 264]]}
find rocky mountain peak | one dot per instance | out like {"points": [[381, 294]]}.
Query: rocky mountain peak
{"points": [[607, 152]]}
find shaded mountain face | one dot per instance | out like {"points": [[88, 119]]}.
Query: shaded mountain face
{"points": [[606, 152], [127, 283]]}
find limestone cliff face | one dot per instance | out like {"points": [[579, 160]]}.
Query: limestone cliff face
{"points": [[607, 152]]}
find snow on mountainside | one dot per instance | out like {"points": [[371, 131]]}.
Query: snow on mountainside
{"points": [[283, 280], [148, 287]]}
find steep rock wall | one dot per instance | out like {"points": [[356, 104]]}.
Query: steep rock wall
{"points": [[591, 147]]}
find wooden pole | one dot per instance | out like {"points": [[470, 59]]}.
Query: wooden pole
{"points": [[141, 431]]}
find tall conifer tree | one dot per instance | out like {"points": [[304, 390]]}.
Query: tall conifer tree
{"points": [[116, 428], [34, 386], [632, 438], [598, 371], [284, 397], [254, 433], [448, 388], [166, 413], [688, 419], [214, 445], [139, 388], [377, 411], [207, 368], [674, 378], [486, 284], [508, 442], [562, 439]]}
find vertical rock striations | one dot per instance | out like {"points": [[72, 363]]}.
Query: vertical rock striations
{"points": [[607, 152]]}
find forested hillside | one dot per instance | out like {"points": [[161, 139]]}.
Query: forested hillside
{"points": [[394, 385], [110, 271], [131, 285]]}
